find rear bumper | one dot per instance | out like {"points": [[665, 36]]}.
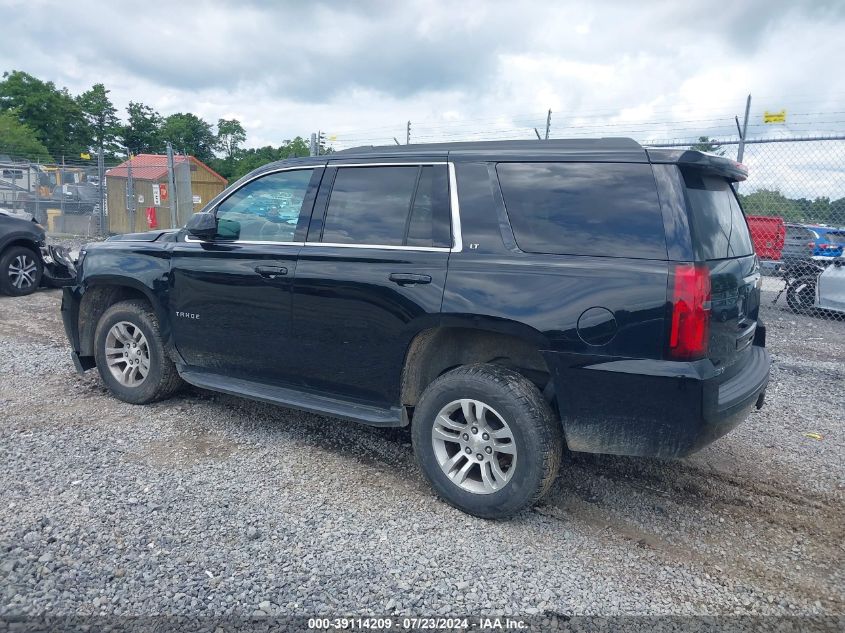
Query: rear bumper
{"points": [[656, 408]]}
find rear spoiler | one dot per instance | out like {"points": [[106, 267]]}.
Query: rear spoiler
{"points": [[720, 165]]}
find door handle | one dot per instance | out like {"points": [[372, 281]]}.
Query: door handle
{"points": [[271, 272], [404, 279]]}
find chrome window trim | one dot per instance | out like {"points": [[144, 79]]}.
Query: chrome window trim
{"points": [[457, 239], [194, 240], [386, 247]]}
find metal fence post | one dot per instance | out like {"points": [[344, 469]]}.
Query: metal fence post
{"points": [[548, 123], [38, 195], [130, 193], [101, 179], [740, 152], [62, 190], [171, 184], [28, 182], [408, 134]]}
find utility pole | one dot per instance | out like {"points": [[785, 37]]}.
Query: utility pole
{"points": [[548, 123], [171, 186], [312, 150], [741, 147], [408, 134], [101, 189]]}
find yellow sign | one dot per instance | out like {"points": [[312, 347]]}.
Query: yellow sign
{"points": [[774, 117], [85, 155]]}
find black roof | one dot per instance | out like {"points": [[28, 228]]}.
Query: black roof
{"points": [[624, 149], [560, 145]]}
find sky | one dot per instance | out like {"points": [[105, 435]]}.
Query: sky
{"points": [[458, 70]]}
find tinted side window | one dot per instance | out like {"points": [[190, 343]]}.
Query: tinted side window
{"points": [[603, 209], [429, 222], [370, 205], [266, 209], [718, 224]]}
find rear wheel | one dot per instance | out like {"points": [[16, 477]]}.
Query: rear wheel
{"points": [[486, 440], [20, 271], [130, 355], [801, 294]]}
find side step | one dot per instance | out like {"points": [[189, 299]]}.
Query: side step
{"points": [[302, 400]]}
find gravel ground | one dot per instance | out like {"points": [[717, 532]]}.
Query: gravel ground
{"points": [[212, 505]]}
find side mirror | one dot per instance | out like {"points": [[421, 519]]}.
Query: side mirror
{"points": [[202, 226]]}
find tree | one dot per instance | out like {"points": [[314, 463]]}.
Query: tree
{"points": [[101, 116], [20, 140], [253, 158], [190, 134], [142, 133], [230, 135], [705, 144], [53, 114]]}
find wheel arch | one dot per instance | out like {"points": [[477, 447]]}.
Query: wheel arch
{"points": [[436, 350], [100, 295]]}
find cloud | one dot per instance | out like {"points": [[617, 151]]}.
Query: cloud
{"points": [[469, 69]]}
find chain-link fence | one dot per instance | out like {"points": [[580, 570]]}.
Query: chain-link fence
{"points": [[65, 197], [97, 197], [795, 202]]}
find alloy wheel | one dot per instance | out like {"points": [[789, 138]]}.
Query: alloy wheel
{"points": [[474, 446], [22, 271], [127, 354]]}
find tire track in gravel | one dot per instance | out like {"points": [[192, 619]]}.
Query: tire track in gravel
{"points": [[766, 514]]}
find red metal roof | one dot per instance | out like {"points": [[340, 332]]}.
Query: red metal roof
{"points": [[154, 167]]}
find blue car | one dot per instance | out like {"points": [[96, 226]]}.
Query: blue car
{"points": [[830, 241]]}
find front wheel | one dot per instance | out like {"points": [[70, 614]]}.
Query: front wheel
{"points": [[486, 440], [130, 354], [20, 271]]}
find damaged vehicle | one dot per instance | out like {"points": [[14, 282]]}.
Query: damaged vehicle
{"points": [[505, 299], [26, 260]]}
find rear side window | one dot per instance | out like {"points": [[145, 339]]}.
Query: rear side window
{"points": [[718, 224], [428, 224], [389, 206], [600, 209], [836, 237], [800, 234]]}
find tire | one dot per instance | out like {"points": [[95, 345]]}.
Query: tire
{"points": [[508, 399], [801, 294], [20, 271], [121, 325]]}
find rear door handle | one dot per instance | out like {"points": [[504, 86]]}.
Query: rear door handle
{"points": [[404, 279], [271, 272]]}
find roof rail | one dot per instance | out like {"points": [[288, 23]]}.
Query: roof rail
{"points": [[570, 144]]}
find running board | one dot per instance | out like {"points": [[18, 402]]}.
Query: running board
{"points": [[302, 400]]}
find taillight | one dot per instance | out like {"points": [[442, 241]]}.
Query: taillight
{"points": [[689, 327]]}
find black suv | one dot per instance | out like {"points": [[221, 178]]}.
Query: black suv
{"points": [[503, 298]]}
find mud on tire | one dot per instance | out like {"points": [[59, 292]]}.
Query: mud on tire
{"points": [[130, 354], [515, 420]]}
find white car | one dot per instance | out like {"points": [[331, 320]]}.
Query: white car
{"points": [[830, 288]]}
